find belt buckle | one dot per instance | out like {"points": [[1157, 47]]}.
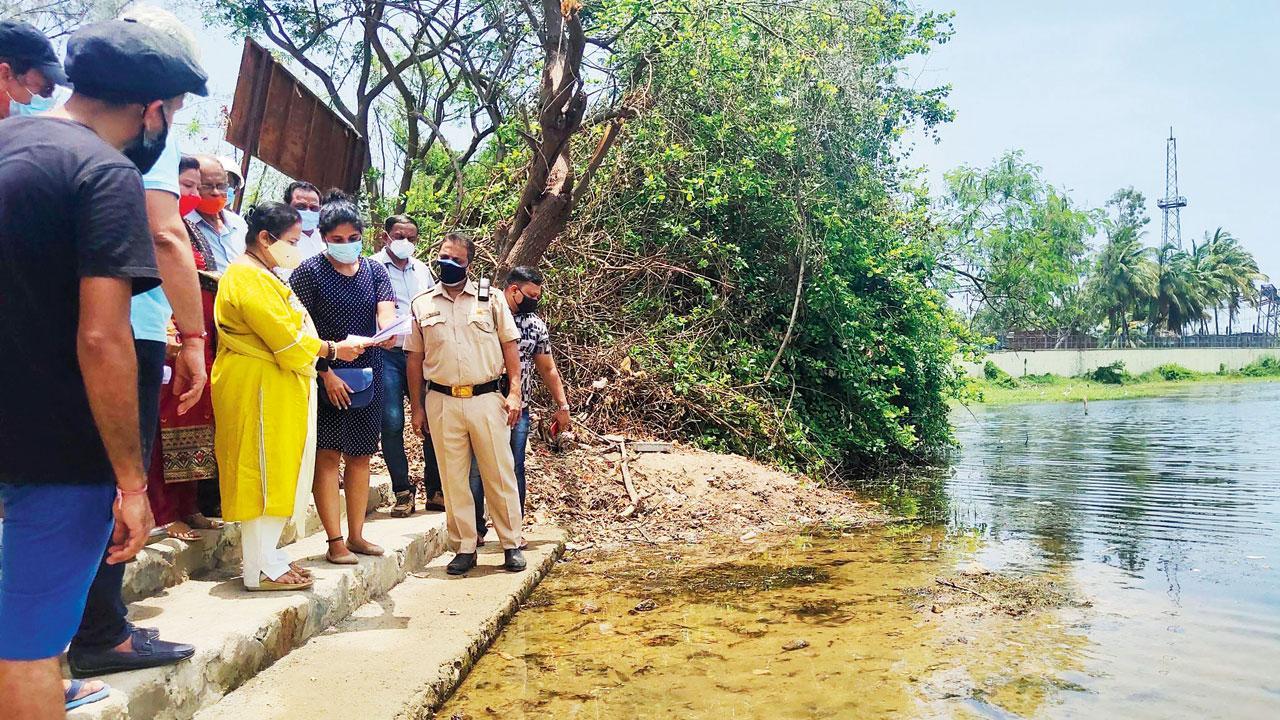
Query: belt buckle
{"points": [[462, 391]]}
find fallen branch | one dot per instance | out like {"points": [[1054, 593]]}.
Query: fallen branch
{"points": [[962, 588]]}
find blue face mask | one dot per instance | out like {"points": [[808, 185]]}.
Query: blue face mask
{"points": [[310, 219], [39, 104], [231, 196], [345, 253]]}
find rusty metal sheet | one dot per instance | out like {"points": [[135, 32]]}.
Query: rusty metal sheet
{"points": [[277, 119]]}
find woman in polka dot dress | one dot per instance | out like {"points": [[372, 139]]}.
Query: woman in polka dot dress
{"points": [[346, 295]]}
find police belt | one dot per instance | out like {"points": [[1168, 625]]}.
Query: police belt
{"points": [[466, 391]]}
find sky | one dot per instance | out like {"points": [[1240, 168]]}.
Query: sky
{"points": [[1088, 90]]}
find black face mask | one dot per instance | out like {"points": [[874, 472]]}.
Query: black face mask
{"points": [[527, 305], [450, 272], [145, 151]]}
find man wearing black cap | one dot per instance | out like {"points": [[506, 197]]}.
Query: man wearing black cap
{"points": [[74, 248], [28, 70], [106, 641]]}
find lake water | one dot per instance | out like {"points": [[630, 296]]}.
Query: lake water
{"points": [[1162, 514]]}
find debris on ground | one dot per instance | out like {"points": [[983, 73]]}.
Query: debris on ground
{"points": [[797, 644], [985, 591]]}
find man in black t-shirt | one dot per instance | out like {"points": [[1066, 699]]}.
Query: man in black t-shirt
{"points": [[74, 247]]}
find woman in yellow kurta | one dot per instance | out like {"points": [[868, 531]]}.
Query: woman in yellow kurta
{"points": [[264, 388]]}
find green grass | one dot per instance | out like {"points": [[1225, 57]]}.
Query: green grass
{"points": [[1165, 380]]}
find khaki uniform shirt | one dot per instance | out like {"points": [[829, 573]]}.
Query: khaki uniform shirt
{"points": [[462, 338]]}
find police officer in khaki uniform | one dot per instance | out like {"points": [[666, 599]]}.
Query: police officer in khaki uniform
{"points": [[462, 340]]}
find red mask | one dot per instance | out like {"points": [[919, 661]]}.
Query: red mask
{"points": [[213, 205], [187, 203]]}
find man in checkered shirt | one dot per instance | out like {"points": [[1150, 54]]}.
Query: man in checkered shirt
{"points": [[523, 291]]}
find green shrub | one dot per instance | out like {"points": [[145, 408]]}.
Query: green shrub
{"points": [[1045, 379], [998, 377], [1173, 372], [1113, 374], [1266, 366]]}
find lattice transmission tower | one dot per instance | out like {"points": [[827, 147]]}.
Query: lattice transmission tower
{"points": [[1172, 203]]}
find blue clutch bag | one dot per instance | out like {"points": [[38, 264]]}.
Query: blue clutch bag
{"points": [[360, 380]]}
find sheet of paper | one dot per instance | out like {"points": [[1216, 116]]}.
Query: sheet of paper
{"points": [[400, 327]]}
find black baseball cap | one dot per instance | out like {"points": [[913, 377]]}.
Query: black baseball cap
{"points": [[21, 41], [124, 62]]}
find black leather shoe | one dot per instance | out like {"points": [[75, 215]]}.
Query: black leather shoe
{"points": [[148, 652], [461, 563], [515, 560]]}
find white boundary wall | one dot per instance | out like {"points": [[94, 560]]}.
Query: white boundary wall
{"points": [[1070, 363]]}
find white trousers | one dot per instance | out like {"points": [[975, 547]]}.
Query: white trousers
{"points": [[259, 539]]}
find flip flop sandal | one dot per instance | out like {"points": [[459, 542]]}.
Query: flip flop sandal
{"points": [[304, 572], [74, 689], [266, 584]]}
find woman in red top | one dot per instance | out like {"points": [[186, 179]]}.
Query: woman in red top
{"points": [[183, 454]]}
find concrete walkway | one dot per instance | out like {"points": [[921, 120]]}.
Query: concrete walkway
{"points": [[238, 633], [401, 655]]}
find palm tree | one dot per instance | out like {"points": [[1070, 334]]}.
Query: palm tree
{"points": [[1235, 273], [1185, 289], [1124, 278]]}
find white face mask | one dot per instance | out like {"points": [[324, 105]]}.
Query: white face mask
{"points": [[286, 256], [310, 220], [401, 248]]}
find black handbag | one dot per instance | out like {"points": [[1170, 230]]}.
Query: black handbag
{"points": [[360, 380]]}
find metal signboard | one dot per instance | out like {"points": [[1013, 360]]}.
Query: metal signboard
{"points": [[277, 119]]}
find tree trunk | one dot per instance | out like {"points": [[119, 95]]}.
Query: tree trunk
{"points": [[547, 199]]}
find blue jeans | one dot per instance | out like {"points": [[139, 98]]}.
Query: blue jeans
{"points": [[104, 623], [519, 441], [394, 389]]}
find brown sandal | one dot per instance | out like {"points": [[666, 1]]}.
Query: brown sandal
{"points": [[266, 584]]}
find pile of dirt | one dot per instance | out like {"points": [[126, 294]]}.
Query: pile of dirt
{"points": [[681, 495]]}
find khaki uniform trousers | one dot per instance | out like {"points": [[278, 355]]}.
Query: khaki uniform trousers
{"points": [[458, 427]]}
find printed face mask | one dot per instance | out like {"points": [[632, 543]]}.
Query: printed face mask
{"points": [[310, 220], [401, 248], [345, 253]]}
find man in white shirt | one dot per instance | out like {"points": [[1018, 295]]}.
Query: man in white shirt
{"points": [[223, 229], [409, 278], [305, 198]]}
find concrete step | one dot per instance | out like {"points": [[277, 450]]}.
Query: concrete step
{"points": [[402, 655], [238, 633], [169, 562]]}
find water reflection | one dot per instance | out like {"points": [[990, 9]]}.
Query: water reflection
{"points": [[1163, 513]]}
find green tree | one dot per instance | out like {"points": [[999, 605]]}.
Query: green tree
{"points": [[1124, 278], [756, 251], [1018, 246]]}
